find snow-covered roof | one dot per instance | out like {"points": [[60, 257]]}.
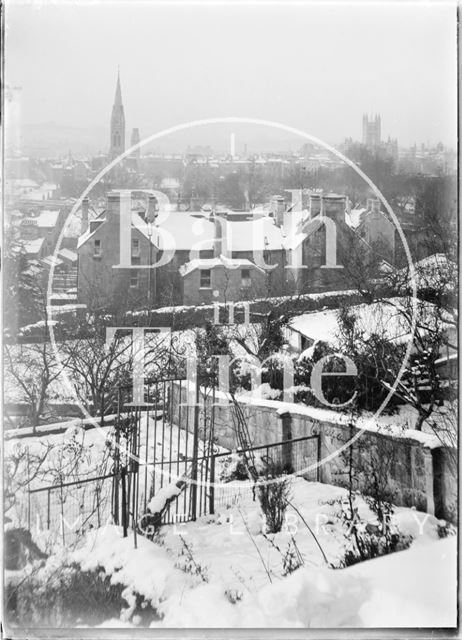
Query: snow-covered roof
{"points": [[34, 246], [41, 324], [433, 271], [63, 296], [66, 308], [32, 270], [435, 261], [67, 254], [184, 229], [169, 183], [45, 218], [310, 225], [259, 234], [354, 217], [52, 260], [40, 194], [384, 317], [89, 232], [23, 182], [211, 263]]}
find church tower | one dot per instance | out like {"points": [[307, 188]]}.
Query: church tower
{"points": [[117, 142]]}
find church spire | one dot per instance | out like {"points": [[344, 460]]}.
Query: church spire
{"points": [[117, 138], [118, 93]]}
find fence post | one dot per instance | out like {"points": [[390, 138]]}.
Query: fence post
{"points": [[124, 503], [116, 480], [319, 457], [212, 485]]}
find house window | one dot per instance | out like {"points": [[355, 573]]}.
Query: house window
{"points": [[134, 280], [135, 248], [205, 279], [245, 278], [97, 249]]}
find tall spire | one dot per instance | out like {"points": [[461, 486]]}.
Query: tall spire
{"points": [[117, 135], [118, 93]]}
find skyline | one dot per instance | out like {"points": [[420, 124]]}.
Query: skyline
{"points": [[241, 61]]}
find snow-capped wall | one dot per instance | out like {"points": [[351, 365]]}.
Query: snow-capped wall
{"points": [[409, 460]]}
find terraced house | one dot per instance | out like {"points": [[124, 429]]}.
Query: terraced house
{"points": [[143, 249]]}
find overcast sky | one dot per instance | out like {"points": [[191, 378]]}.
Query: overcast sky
{"points": [[315, 67]]}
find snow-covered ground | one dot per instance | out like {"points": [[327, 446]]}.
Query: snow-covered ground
{"points": [[245, 586], [79, 454]]}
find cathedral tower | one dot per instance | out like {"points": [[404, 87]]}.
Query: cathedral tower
{"points": [[372, 131], [117, 142]]}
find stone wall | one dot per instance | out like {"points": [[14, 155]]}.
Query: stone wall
{"points": [[415, 474]]}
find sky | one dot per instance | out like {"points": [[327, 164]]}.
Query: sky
{"points": [[317, 67]]}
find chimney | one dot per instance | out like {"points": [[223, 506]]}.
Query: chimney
{"points": [[113, 208], [85, 206], [278, 208], [373, 205], [315, 204], [334, 207], [293, 216], [118, 219], [152, 211], [219, 241]]}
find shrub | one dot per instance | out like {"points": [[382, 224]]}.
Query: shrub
{"points": [[234, 468], [64, 596], [274, 496], [369, 540], [445, 529], [187, 562]]}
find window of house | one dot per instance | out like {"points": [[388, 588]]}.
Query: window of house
{"points": [[97, 248], [135, 247], [205, 282], [245, 278], [134, 280]]}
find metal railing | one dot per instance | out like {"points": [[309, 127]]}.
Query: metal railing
{"points": [[68, 510], [291, 456]]}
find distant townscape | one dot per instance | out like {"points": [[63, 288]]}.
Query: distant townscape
{"points": [[221, 212], [229, 378]]}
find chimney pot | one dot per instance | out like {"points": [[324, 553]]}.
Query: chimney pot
{"points": [[373, 204], [315, 204], [334, 207], [152, 211]]}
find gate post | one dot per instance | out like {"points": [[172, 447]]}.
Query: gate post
{"points": [[124, 503], [286, 419], [193, 505]]}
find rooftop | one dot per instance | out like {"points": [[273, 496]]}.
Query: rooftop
{"points": [[34, 246], [45, 218], [384, 318], [211, 263]]}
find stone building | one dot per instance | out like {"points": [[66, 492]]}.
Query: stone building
{"points": [[141, 250], [371, 131]]}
